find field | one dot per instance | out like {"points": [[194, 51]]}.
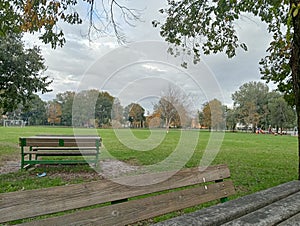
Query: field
{"points": [[256, 161]]}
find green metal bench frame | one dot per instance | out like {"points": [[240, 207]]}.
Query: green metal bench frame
{"points": [[38, 146]]}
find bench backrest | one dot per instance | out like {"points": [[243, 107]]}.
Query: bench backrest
{"points": [[32, 203], [60, 141]]}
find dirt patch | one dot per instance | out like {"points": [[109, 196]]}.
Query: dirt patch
{"points": [[114, 168], [108, 169], [10, 166]]}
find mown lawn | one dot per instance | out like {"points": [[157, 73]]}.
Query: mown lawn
{"points": [[256, 161]]}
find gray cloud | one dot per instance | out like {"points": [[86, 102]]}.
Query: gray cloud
{"points": [[80, 59]]}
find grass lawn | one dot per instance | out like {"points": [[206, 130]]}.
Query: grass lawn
{"points": [[256, 161]]}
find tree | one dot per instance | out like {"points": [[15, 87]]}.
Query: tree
{"points": [[35, 111], [54, 113], [201, 118], [213, 115], [135, 115], [103, 111], [20, 72], [209, 27], [250, 102], [92, 108], [154, 120], [173, 107], [231, 119], [45, 16], [66, 100], [117, 113], [281, 114]]}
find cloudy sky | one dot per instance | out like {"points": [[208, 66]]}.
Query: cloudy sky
{"points": [[142, 70]]}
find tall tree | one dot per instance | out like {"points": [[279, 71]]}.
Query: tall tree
{"points": [[66, 101], [54, 113], [213, 115], [84, 107], [250, 102], [135, 114], [117, 113], [281, 114], [35, 111], [21, 72], [103, 110], [209, 27], [231, 119], [174, 107]]}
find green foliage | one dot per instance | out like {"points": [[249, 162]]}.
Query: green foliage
{"points": [[255, 105], [38, 16], [281, 114], [20, 72], [66, 101], [103, 111], [92, 108], [46, 16], [210, 27], [135, 114], [250, 103], [213, 115], [34, 112]]}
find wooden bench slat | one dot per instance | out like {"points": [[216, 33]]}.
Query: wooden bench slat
{"points": [[63, 148], [294, 220], [57, 138], [50, 200], [56, 141], [59, 153], [141, 209], [66, 144], [271, 214], [233, 209]]}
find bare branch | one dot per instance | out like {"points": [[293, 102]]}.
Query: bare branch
{"points": [[109, 23]]}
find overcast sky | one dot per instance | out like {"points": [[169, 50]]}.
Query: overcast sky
{"points": [[142, 71]]}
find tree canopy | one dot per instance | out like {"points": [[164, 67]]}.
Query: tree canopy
{"points": [[21, 72], [46, 16], [210, 27]]}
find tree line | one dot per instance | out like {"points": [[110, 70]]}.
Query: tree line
{"points": [[254, 106]]}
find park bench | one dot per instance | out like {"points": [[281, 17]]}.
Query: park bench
{"points": [[114, 203], [64, 148], [279, 205]]}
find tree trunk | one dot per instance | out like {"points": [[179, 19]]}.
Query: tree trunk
{"points": [[295, 66]]}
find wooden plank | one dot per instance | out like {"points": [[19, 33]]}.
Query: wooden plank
{"points": [[62, 161], [141, 209], [271, 214], [41, 138], [67, 144], [234, 209], [56, 141], [294, 220], [60, 153], [196, 174], [63, 148], [24, 204]]}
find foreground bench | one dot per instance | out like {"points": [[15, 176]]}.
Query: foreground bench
{"points": [[32, 148], [278, 205], [123, 204]]}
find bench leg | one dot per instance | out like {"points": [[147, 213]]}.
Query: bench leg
{"points": [[97, 153], [22, 157], [224, 199]]}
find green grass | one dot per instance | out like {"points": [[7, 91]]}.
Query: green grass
{"points": [[256, 161]]}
